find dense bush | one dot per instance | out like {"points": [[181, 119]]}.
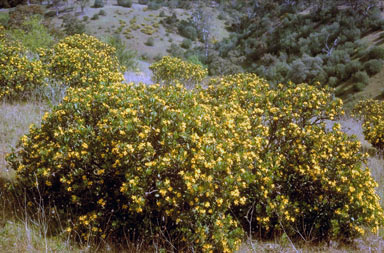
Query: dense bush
{"points": [[171, 164], [310, 180], [170, 70], [82, 60], [188, 31], [98, 4], [22, 13], [372, 114], [150, 42], [72, 25], [376, 53], [373, 66], [186, 44], [19, 75], [33, 34], [125, 3], [361, 77], [125, 56], [121, 162]]}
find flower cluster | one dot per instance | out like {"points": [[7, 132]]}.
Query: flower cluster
{"points": [[372, 113], [19, 74], [81, 60], [170, 70]]}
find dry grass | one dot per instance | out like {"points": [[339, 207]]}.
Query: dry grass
{"points": [[15, 119]]}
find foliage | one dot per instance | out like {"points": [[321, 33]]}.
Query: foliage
{"points": [[310, 179], [98, 4], [72, 25], [150, 42], [278, 41], [186, 44], [125, 3], [19, 74], [33, 34], [95, 16], [373, 66], [372, 113], [4, 19], [82, 60], [121, 162], [170, 70], [126, 57], [171, 164], [22, 13], [187, 30]]}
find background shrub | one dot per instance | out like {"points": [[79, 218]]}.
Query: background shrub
{"points": [[371, 112], [82, 60], [125, 3], [102, 13], [98, 4], [170, 70], [373, 66], [19, 75], [72, 25], [376, 53], [186, 43], [361, 77], [33, 35], [187, 31], [150, 42], [126, 57], [95, 16]]}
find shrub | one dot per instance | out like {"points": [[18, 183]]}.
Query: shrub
{"points": [[125, 3], [188, 31], [98, 4], [95, 16], [371, 112], [143, 1], [152, 160], [150, 42], [123, 164], [170, 70], [19, 75], [22, 13], [359, 86], [175, 50], [85, 18], [154, 6], [102, 13], [162, 14], [4, 19], [373, 66], [311, 180], [126, 57], [34, 34], [361, 77], [82, 60], [186, 43], [376, 53], [72, 25]]}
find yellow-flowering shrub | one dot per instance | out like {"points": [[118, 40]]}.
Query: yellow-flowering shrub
{"points": [[372, 113], [310, 180], [173, 164], [147, 160], [81, 59], [169, 70], [19, 75]]}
